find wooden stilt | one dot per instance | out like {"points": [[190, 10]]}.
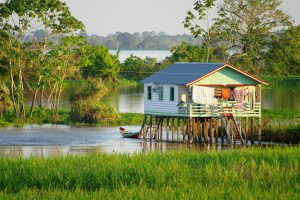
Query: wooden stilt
{"points": [[200, 130], [189, 125], [252, 130], [180, 128], [156, 128], [167, 128], [210, 131], [161, 127], [247, 130], [259, 130], [194, 130], [144, 126], [184, 129], [206, 130], [173, 130], [216, 130], [150, 124], [222, 133], [145, 131]]}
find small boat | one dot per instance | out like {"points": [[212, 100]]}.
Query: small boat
{"points": [[129, 134]]}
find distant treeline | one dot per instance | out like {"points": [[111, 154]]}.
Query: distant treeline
{"points": [[148, 40]]}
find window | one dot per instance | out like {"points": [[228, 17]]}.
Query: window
{"points": [[171, 93], [149, 93], [160, 93]]}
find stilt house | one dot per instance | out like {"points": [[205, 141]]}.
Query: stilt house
{"points": [[202, 92]]}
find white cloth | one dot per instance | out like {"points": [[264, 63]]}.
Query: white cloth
{"points": [[203, 95]]}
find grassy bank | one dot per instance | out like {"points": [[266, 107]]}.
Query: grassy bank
{"points": [[240, 174], [46, 117], [280, 113]]}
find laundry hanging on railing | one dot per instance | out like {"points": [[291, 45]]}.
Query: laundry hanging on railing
{"points": [[225, 93], [203, 95], [244, 94]]}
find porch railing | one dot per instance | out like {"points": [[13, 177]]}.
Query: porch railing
{"points": [[238, 110]]}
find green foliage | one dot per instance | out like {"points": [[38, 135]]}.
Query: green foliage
{"points": [[98, 62], [192, 20], [135, 68], [187, 53], [246, 25], [252, 173], [91, 111], [240, 34], [130, 119], [87, 108], [283, 54], [92, 89], [25, 63]]}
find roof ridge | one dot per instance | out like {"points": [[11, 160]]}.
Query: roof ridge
{"points": [[198, 63]]}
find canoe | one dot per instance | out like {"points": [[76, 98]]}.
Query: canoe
{"points": [[129, 134]]}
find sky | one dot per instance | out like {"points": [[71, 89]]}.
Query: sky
{"points": [[105, 17]]}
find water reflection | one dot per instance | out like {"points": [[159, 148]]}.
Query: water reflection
{"points": [[52, 141], [281, 97], [126, 99], [142, 146], [134, 146], [131, 99]]}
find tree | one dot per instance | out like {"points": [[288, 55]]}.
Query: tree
{"points": [[135, 68], [244, 26], [187, 53], [17, 19], [241, 30], [283, 54], [63, 64], [193, 20], [98, 62]]}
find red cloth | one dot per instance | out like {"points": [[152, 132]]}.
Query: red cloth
{"points": [[225, 93]]}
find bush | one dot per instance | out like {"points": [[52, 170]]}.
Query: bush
{"points": [[89, 111]]}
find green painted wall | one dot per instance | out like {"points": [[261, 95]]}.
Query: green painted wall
{"points": [[226, 76]]}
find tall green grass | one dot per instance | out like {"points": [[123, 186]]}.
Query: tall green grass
{"points": [[253, 173], [280, 113]]}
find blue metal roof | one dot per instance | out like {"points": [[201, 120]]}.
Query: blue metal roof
{"points": [[182, 73]]}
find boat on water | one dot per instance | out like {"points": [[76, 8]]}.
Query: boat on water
{"points": [[129, 134]]}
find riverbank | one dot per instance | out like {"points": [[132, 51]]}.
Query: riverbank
{"points": [[251, 173], [63, 119]]}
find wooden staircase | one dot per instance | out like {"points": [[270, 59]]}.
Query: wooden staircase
{"points": [[232, 128]]}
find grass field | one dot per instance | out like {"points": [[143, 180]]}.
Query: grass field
{"points": [[253, 173]]}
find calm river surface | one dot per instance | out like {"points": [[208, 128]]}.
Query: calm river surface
{"points": [[59, 140], [48, 140]]}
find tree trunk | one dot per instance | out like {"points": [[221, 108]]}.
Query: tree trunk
{"points": [[49, 97], [12, 94], [33, 102]]}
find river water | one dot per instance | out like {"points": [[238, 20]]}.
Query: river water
{"points": [[59, 140]]}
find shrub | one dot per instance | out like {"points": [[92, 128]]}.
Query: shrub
{"points": [[90, 111]]}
